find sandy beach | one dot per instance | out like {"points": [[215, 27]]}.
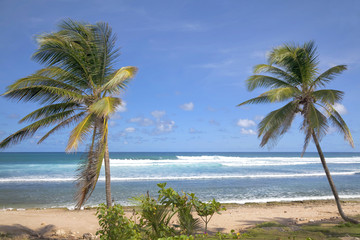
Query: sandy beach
{"points": [[73, 224]]}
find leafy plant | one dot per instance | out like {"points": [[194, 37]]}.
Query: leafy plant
{"points": [[206, 210], [181, 205], [181, 237], [115, 225], [154, 218]]}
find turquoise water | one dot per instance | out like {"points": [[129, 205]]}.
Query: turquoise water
{"points": [[47, 179]]}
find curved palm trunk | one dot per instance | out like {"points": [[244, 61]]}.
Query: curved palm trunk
{"points": [[331, 183], [107, 175]]}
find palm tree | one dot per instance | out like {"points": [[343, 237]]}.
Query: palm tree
{"points": [[294, 77], [78, 86]]}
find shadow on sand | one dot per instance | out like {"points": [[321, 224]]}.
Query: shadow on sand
{"points": [[19, 230]]}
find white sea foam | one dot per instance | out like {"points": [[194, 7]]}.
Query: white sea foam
{"points": [[231, 161], [180, 178], [34, 179], [284, 199]]}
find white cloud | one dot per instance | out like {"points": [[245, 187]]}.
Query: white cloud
{"points": [[259, 118], [164, 127], [245, 123], [248, 131], [161, 126], [187, 106], [122, 107], [112, 123], [340, 108], [142, 121], [129, 130], [116, 116], [158, 114]]}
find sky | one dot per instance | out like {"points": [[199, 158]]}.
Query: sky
{"points": [[193, 58]]}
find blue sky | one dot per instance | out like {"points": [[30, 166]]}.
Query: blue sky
{"points": [[193, 59]]}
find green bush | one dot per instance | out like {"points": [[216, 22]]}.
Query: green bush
{"points": [[206, 210], [114, 225], [154, 218], [181, 237], [181, 205]]}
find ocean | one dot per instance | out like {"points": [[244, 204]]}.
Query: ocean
{"points": [[46, 180]]}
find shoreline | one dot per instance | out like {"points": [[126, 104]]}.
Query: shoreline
{"points": [[61, 221], [280, 202]]}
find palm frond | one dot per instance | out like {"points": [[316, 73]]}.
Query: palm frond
{"points": [[316, 121], [328, 96], [49, 110], [273, 95], [329, 75], [68, 51], [256, 81], [89, 170], [338, 122], [119, 80], [308, 134], [68, 76], [301, 61], [105, 106], [277, 123], [281, 94], [278, 72], [57, 49], [107, 53], [259, 99], [41, 78], [31, 129], [62, 124], [44, 94], [80, 132]]}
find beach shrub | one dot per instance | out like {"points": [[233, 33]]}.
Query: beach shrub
{"points": [[154, 218], [269, 224], [206, 210], [231, 235], [181, 237], [115, 225], [180, 204]]}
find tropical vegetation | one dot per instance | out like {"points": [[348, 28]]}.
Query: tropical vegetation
{"points": [[155, 217], [79, 86], [293, 77]]}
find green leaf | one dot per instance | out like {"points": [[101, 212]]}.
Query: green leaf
{"points": [[256, 81], [329, 75], [105, 106], [328, 96], [79, 133], [120, 80], [277, 123]]}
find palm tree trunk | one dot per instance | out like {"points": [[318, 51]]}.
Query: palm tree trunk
{"points": [[107, 175], [332, 185]]}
